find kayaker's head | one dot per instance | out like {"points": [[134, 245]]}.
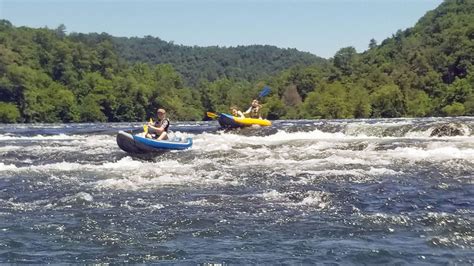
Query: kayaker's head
{"points": [[161, 113], [255, 103], [234, 110]]}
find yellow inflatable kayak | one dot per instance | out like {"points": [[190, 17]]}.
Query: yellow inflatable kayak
{"points": [[229, 121]]}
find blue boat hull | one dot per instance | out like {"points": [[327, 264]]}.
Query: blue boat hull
{"points": [[227, 121], [140, 145]]}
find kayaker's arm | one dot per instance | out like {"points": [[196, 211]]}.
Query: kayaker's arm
{"points": [[156, 129]]}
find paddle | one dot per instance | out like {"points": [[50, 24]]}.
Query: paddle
{"points": [[145, 127], [212, 115], [266, 90]]}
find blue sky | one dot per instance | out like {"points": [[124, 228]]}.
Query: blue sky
{"points": [[318, 26]]}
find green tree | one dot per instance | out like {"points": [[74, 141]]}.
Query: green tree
{"points": [[274, 108], [387, 102], [469, 105], [372, 43], [9, 113], [331, 102], [458, 91], [344, 59], [90, 109], [359, 102], [51, 104], [418, 104], [455, 109]]}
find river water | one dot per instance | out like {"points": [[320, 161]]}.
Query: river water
{"points": [[301, 192]]}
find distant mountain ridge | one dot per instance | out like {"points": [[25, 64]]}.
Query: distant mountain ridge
{"points": [[196, 63]]}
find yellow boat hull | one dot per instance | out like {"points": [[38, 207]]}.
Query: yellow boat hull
{"points": [[252, 121], [229, 121]]}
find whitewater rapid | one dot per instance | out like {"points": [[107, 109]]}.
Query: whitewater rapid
{"points": [[368, 185]]}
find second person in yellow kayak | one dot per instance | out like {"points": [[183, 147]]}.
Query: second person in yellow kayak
{"points": [[254, 110]]}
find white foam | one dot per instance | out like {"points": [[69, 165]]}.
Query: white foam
{"points": [[146, 182], [318, 199], [126, 163], [7, 167], [431, 154], [356, 175], [130, 174], [23, 206], [226, 141], [273, 195], [157, 206], [39, 137], [95, 144], [386, 219], [202, 202], [10, 148], [306, 156], [383, 171], [62, 166], [418, 134], [81, 197]]}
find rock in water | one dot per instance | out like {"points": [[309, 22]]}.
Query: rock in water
{"points": [[448, 130]]}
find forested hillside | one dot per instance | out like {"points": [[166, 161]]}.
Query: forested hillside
{"points": [[426, 70], [49, 76], [211, 63]]}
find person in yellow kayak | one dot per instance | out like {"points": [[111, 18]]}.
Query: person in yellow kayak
{"points": [[159, 129], [255, 110], [236, 112]]}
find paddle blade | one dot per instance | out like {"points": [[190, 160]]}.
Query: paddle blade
{"points": [[145, 127], [266, 90], [212, 115]]}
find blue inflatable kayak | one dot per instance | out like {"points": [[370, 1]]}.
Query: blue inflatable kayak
{"points": [[138, 144]]}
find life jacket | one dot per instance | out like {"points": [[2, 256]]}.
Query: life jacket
{"points": [[254, 112], [165, 122]]}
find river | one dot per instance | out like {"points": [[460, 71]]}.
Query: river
{"points": [[375, 191]]}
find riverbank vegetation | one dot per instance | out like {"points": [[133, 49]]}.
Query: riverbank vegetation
{"points": [[47, 75]]}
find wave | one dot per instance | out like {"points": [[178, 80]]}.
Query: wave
{"points": [[401, 127], [7, 167], [438, 229], [284, 150], [11, 137], [229, 158], [9, 148], [316, 199], [433, 153]]}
